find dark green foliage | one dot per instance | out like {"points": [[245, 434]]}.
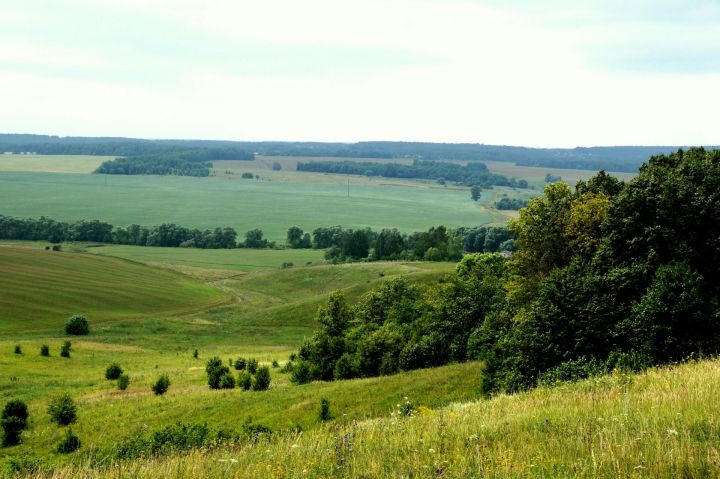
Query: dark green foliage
{"points": [[216, 371], [154, 165], [301, 372], [172, 438], [254, 239], [65, 349], [18, 349], [123, 381], [474, 173], [324, 413], [247, 176], [276, 166], [255, 432], [252, 365], [69, 443], [12, 430], [475, 192], [275, 363], [62, 410], [240, 364], [549, 178], [297, 238], [113, 371], [44, 350], [244, 381], [196, 354], [13, 421], [77, 325], [161, 386], [56, 247], [97, 231], [227, 381], [510, 204], [261, 381]]}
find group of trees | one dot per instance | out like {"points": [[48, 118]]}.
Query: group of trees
{"points": [[172, 161], [474, 173], [608, 275], [46, 229], [510, 204], [437, 244]]}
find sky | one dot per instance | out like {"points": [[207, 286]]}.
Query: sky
{"points": [[544, 73]]}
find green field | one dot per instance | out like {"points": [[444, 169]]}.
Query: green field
{"points": [[39, 289], [51, 163], [150, 319], [272, 206], [661, 424]]}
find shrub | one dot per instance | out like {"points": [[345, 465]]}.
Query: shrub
{"points": [[12, 428], [62, 410], [215, 372], [247, 176], [262, 379], [252, 366], [13, 421], [77, 326], [240, 364], [113, 371], [573, 370], [70, 443], [275, 364], [65, 350], [227, 381], [301, 373], [44, 350], [256, 431], [196, 354], [56, 247], [244, 380], [18, 349], [123, 382], [276, 166], [161, 385], [324, 410]]}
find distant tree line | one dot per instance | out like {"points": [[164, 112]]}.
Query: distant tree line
{"points": [[179, 162], [475, 173], [607, 276], [46, 229], [437, 244], [615, 158], [511, 204]]}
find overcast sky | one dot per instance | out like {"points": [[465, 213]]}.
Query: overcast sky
{"points": [[518, 72]]}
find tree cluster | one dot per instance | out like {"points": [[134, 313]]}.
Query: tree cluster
{"points": [[169, 234], [510, 204], [608, 275], [474, 173]]}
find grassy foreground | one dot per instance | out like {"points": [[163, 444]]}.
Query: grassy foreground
{"points": [[662, 424]]}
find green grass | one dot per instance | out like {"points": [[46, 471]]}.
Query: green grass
{"points": [[272, 206], [40, 289], [51, 163], [662, 424]]}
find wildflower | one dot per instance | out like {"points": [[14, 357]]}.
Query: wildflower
{"points": [[672, 432], [294, 446], [431, 450]]}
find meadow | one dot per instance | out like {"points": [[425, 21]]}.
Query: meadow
{"points": [[51, 163]]}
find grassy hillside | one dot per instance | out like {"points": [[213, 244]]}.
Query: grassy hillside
{"points": [[40, 289], [662, 424]]}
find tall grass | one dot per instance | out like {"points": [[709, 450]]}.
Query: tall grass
{"points": [[662, 424]]}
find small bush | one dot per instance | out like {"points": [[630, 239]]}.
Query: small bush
{"points": [[240, 364], [252, 365], [77, 326], [114, 371], [70, 443], [255, 431], [56, 247], [301, 373], [12, 429], [44, 350], [196, 354], [247, 176], [16, 408], [244, 380], [65, 350], [18, 349], [123, 382], [227, 381], [573, 370], [275, 364], [262, 379], [324, 413], [215, 372], [276, 166], [161, 385], [62, 410]]}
